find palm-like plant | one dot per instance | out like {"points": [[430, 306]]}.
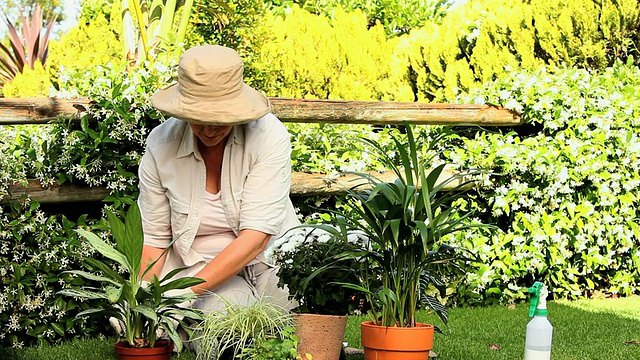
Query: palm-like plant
{"points": [[25, 48], [405, 221], [142, 307]]}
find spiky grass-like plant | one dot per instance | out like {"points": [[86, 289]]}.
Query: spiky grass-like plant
{"points": [[236, 327], [406, 222]]}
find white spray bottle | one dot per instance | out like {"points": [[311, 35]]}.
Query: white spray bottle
{"points": [[539, 329]]}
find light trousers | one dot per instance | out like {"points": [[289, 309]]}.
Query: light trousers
{"points": [[254, 282]]}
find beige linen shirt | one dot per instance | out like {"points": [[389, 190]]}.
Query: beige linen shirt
{"points": [[255, 184]]}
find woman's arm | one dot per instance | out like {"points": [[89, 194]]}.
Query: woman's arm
{"points": [[231, 260], [155, 213], [149, 255]]}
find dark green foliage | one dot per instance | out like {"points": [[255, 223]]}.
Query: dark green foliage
{"points": [[36, 251], [237, 24]]}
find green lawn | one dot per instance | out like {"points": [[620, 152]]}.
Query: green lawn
{"points": [[590, 329]]}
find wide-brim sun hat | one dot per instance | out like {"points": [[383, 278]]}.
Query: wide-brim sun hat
{"points": [[211, 90]]}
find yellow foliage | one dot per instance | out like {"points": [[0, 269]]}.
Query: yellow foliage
{"points": [[86, 46], [585, 33], [313, 57], [481, 40], [29, 83]]}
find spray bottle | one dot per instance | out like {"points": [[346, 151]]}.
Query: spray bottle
{"points": [[539, 329]]}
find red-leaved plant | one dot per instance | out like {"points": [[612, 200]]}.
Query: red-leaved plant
{"points": [[26, 47]]}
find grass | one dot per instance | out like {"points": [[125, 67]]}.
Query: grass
{"points": [[583, 330]]}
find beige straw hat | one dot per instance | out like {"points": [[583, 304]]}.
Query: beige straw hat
{"points": [[210, 90]]}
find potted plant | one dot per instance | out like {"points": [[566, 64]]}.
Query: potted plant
{"points": [[405, 222], [260, 330], [144, 309], [323, 304]]}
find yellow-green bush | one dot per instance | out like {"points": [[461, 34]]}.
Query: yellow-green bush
{"points": [[314, 57], [483, 39], [585, 33], [29, 83], [87, 45]]}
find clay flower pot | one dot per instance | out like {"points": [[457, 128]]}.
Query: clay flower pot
{"points": [[321, 336], [396, 343], [162, 351]]}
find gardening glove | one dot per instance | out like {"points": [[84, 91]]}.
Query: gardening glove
{"points": [[117, 325]]}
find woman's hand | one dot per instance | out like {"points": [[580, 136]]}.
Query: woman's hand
{"points": [[248, 245]]}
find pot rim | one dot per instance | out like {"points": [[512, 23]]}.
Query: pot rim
{"points": [[420, 325]]}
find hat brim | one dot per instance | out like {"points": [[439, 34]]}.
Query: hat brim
{"points": [[248, 105]]}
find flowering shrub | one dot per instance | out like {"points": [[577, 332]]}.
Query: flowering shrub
{"points": [[36, 248], [301, 252], [107, 152], [566, 196]]}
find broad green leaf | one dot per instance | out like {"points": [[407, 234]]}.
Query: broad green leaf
{"points": [[113, 294], [105, 249], [147, 311], [103, 312], [97, 265], [134, 237], [181, 283], [117, 230], [91, 276], [84, 294], [59, 329]]}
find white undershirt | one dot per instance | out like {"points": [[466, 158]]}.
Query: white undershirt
{"points": [[214, 233]]}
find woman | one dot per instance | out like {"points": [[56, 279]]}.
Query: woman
{"points": [[216, 177]]}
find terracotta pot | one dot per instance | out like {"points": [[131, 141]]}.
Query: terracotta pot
{"points": [[321, 336], [396, 343], [162, 351]]}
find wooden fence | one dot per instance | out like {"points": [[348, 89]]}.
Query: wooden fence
{"points": [[44, 110]]}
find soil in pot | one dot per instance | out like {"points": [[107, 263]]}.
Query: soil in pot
{"points": [[162, 351]]}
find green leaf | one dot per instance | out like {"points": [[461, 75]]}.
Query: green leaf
{"points": [[181, 283], [105, 249], [113, 294], [98, 265], [134, 237], [147, 311], [91, 276], [84, 294], [117, 230], [59, 329]]}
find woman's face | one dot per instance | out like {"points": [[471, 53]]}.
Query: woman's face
{"points": [[211, 135]]}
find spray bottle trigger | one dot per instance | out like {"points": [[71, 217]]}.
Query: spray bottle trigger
{"points": [[535, 297]]}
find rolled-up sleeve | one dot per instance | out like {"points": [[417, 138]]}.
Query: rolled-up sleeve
{"points": [[266, 190], [153, 203]]}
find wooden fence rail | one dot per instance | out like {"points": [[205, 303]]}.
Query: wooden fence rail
{"points": [[44, 110]]}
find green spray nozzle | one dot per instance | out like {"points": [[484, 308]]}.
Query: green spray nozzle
{"points": [[538, 299]]}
